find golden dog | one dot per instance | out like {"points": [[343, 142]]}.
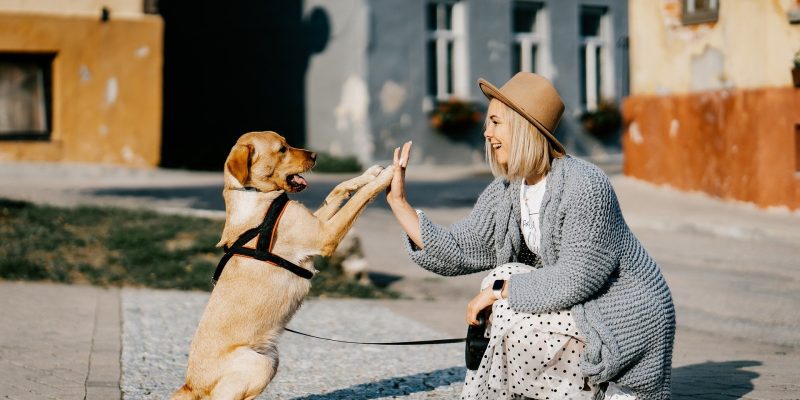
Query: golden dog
{"points": [[234, 351]]}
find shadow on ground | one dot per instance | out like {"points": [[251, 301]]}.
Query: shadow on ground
{"points": [[398, 386], [457, 193], [727, 379]]}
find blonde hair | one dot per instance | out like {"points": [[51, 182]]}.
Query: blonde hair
{"points": [[530, 153]]}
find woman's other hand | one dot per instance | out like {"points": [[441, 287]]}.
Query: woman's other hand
{"points": [[483, 300], [396, 192]]}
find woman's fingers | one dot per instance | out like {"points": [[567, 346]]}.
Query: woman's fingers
{"points": [[405, 154], [396, 155]]}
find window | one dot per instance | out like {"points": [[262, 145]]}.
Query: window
{"points": [[699, 11], [596, 56], [447, 60], [25, 96], [530, 51]]}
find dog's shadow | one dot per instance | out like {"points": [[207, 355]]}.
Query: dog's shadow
{"points": [[397, 386]]}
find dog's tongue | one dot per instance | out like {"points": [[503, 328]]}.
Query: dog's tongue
{"points": [[299, 182]]}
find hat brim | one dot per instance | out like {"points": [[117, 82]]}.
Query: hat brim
{"points": [[491, 92]]}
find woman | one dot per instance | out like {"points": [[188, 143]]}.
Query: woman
{"points": [[580, 310]]}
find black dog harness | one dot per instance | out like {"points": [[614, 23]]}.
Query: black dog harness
{"points": [[263, 251]]}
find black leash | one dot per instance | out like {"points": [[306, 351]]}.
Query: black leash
{"points": [[410, 343]]}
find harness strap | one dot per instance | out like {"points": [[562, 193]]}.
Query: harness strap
{"points": [[263, 251]]}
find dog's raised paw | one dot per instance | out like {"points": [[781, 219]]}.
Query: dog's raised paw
{"points": [[374, 170]]}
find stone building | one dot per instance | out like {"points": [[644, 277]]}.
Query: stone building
{"points": [[713, 106], [80, 81]]}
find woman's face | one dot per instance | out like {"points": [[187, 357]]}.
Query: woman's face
{"points": [[498, 132]]}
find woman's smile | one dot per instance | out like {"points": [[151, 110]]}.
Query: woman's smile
{"points": [[497, 132]]}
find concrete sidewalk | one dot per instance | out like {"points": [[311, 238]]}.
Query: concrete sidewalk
{"points": [[732, 268], [59, 341]]}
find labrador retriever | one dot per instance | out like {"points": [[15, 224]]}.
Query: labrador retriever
{"points": [[234, 351]]}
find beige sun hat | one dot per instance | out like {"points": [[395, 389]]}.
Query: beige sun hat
{"points": [[533, 97]]}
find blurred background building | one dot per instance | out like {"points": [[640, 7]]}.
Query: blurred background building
{"points": [[348, 77], [713, 104], [710, 103], [397, 70], [80, 81]]}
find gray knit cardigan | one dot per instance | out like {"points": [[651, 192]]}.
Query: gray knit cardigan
{"points": [[590, 263]]}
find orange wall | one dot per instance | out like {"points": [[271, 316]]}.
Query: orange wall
{"points": [[734, 144], [106, 86]]}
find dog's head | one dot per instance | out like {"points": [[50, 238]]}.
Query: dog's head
{"points": [[264, 161]]}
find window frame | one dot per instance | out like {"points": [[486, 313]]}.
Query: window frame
{"points": [[539, 38], [44, 60], [591, 45], [450, 44], [699, 17]]}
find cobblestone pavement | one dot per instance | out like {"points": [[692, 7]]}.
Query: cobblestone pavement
{"points": [[158, 327]]}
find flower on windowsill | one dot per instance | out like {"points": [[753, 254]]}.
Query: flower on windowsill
{"points": [[604, 122], [455, 117]]}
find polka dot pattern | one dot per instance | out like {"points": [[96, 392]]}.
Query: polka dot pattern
{"points": [[531, 355]]}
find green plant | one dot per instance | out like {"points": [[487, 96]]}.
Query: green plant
{"points": [[330, 163], [456, 117], [797, 60], [604, 122]]}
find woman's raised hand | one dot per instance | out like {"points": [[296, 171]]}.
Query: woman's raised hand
{"points": [[396, 192], [396, 196]]}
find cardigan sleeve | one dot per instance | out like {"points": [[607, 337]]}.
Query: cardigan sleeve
{"points": [[463, 248], [586, 257]]}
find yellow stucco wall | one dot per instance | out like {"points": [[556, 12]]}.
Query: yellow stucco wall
{"points": [[106, 86], [752, 40], [73, 7]]}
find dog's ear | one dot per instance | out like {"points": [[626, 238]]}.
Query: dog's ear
{"points": [[238, 164]]}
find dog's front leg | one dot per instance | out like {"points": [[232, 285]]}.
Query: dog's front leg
{"points": [[343, 191], [338, 225]]}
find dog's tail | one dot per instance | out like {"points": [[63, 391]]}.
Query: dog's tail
{"points": [[184, 393]]}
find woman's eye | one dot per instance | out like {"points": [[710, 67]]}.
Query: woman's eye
{"points": [[283, 149]]}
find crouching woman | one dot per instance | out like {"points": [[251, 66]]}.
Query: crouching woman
{"points": [[579, 309]]}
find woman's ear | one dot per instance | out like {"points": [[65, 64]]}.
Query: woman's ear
{"points": [[238, 163]]}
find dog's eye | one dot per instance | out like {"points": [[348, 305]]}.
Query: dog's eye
{"points": [[283, 149]]}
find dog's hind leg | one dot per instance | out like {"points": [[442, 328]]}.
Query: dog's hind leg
{"points": [[343, 191], [246, 374]]}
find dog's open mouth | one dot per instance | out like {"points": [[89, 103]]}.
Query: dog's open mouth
{"points": [[296, 182]]}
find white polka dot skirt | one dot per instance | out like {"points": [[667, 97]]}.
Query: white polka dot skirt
{"points": [[529, 355]]}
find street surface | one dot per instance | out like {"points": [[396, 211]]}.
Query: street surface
{"points": [[734, 272]]}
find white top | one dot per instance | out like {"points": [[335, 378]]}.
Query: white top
{"points": [[530, 198]]}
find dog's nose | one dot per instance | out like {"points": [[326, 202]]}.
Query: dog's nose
{"points": [[313, 156]]}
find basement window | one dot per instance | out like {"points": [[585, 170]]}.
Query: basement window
{"points": [[700, 11], [25, 96]]}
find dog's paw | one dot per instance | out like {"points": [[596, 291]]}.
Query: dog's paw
{"points": [[385, 177], [374, 170]]}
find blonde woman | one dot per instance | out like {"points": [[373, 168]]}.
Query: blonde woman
{"points": [[579, 309]]}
